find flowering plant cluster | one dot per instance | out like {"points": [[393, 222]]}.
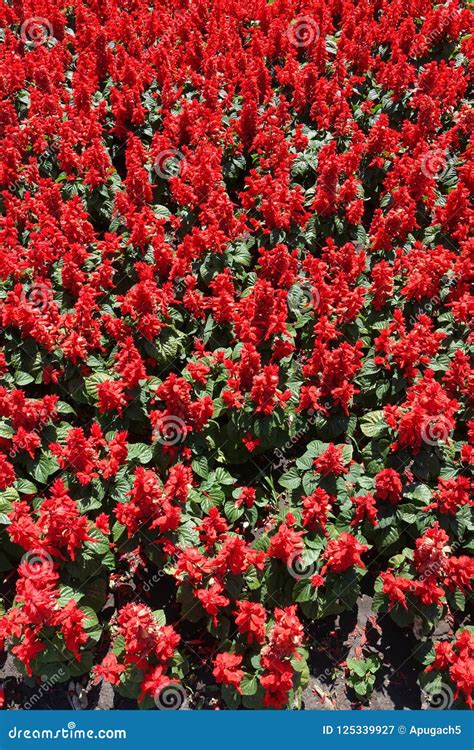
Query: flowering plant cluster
{"points": [[235, 257]]}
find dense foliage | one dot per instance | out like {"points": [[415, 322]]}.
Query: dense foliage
{"points": [[234, 363]]}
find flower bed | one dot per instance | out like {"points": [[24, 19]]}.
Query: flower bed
{"points": [[234, 366]]}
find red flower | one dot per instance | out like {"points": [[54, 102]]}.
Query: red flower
{"points": [[7, 473], [365, 509], [343, 553], [317, 507], [285, 543], [331, 461], [250, 619], [110, 669], [451, 495], [111, 396], [388, 486], [396, 588], [226, 669], [246, 497], [250, 442], [211, 599]]}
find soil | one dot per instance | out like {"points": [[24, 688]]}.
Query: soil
{"points": [[330, 642]]}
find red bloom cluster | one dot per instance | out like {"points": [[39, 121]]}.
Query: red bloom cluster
{"points": [[457, 659]]}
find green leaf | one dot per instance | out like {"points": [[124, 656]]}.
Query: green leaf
{"points": [[291, 479], [358, 666], [140, 452], [25, 486], [23, 378], [249, 685], [373, 423], [221, 476], [160, 617], [200, 467], [44, 468], [91, 383]]}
